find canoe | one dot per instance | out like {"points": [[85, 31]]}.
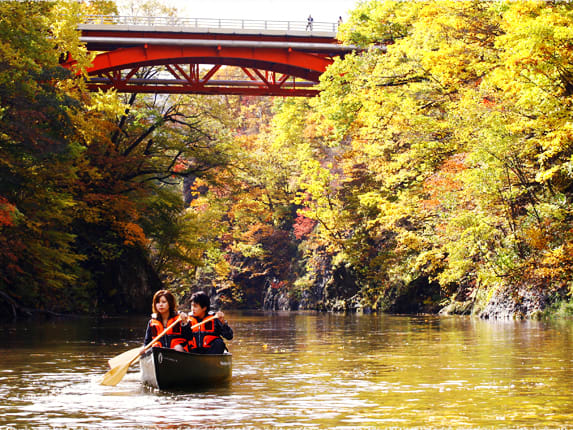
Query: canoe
{"points": [[166, 368]]}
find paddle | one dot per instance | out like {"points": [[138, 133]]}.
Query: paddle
{"points": [[121, 363], [127, 356]]}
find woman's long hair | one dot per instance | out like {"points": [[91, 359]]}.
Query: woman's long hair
{"points": [[170, 300]]}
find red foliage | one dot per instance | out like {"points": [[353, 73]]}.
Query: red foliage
{"points": [[303, 226], [6, 212], [276, 285], [489, 101], [180, 166]]}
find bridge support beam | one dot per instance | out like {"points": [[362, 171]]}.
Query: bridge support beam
{"points": [[199, 79], [166, 60], [269, 71]]}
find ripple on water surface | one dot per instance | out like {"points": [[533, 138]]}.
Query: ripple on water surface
{"points": [[302, 370]]}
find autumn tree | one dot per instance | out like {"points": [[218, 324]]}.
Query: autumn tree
{"points": [[88, 180], [449, 130], [39, 146]]}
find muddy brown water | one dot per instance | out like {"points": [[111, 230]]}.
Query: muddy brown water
{"points": [[301, 370]]}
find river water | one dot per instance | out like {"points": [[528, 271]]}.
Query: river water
{"points": [[301, 370]]}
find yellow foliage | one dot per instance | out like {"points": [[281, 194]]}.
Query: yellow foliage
{"points": [[556, 263], [64, 18], [107, 102]]}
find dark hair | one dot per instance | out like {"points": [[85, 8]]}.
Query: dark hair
{"points": [[202, 299], [170, 299]]}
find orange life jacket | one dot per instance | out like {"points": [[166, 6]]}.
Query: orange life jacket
{"points": [[202, 335], [173, 336]]}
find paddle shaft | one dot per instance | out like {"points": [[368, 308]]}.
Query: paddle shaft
{"points": [[160, 335], [212, 317], [117, 372], [156, 338]]}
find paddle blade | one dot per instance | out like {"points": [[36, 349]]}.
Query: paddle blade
{"points": [[124, 357], [117, 373]]}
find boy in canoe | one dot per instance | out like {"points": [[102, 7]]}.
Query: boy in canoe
{"points": [[207, 338]]}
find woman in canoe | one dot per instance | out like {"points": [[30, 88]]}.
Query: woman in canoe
{"points": [[207, 338], [164, 308]]}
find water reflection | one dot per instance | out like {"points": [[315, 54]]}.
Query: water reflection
{"points": [[296, 369]]}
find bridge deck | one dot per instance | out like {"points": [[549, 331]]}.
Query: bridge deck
{"points": [[278, 58], [213, 33], [212, 23]]}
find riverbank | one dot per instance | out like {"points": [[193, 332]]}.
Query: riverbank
{"points": [[338, 291], [424, 298]]}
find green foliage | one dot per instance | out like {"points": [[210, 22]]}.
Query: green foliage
{"points": [[37, 154], [85, 177]]}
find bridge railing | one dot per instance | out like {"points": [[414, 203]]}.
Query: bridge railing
{"points": [[241, 24]]}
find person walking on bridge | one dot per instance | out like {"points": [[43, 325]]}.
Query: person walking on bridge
{"points": [[309, 22]]}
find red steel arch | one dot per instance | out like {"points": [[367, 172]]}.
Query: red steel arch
{"points": [[284, 62], [278, 61]]}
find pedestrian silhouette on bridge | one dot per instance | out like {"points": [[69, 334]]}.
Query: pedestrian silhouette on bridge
{"points": [[309, 22]]}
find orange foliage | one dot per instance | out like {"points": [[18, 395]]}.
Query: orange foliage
{"points": [[180, 166], [112, 206], [131, 233], [257, 233], [489, 101], [537, 238], [443, 181], [555, 264]]}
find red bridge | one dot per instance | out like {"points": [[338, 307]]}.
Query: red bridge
{"points": [[174, 55]]}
